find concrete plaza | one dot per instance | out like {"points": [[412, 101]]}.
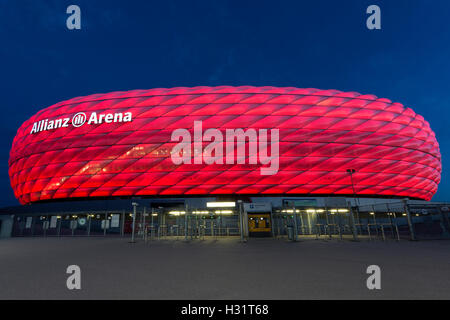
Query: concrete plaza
{"points": [[113, 268]]}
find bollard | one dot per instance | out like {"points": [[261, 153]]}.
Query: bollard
{"points": [[340, 232], [290, 231], [382, 232]]}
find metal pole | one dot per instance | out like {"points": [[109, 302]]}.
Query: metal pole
{"points": [[295, 225], [339, 224], [104, 226], [59, 221], [445, 221], [351, 172], [134, 204], [241, 220], [245, 222], [271, 222], [122, 225], [185, 222], [143, 224], [390, 219], [89, 225], [358, 219], [410, 223], [152, 227], [141, 218], [328, 222], [375, 219], [352, 220]]}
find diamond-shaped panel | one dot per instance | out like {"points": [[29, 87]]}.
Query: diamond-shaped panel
{"points": [[322, 133]]}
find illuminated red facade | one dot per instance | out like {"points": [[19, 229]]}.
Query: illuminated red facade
{"points": [[322, 133]]}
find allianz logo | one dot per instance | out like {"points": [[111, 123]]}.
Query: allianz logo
{"points": [[189, 150], [79, 119]]}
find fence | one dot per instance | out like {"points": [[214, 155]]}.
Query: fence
{"points": [[393, 220]]}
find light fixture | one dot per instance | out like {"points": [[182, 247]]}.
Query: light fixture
{"points": [[176, 213], [224, 211], [200, 212], [221, 204]]}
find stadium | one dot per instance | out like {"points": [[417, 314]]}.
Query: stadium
{"points": [[226, 161]]}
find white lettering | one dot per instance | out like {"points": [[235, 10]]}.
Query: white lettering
{"points": [[127, 117], [79, 119], [109, 118], [66, 122], [58, 123], [93, 118]]}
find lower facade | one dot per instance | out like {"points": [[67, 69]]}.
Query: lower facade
{"points": [[194, 218]]}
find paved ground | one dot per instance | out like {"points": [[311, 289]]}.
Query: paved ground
{"points": [[34, 268]]}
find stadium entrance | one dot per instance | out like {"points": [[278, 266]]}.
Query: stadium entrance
{"points": [[259, 219], [197, 218]]}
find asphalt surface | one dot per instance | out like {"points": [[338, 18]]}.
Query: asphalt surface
{"points": [[113, 268]]}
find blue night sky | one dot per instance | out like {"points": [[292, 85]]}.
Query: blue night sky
{"points": [[132, 44]]}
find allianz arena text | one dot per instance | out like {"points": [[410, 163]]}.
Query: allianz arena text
{"points": [[224, 141]]}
